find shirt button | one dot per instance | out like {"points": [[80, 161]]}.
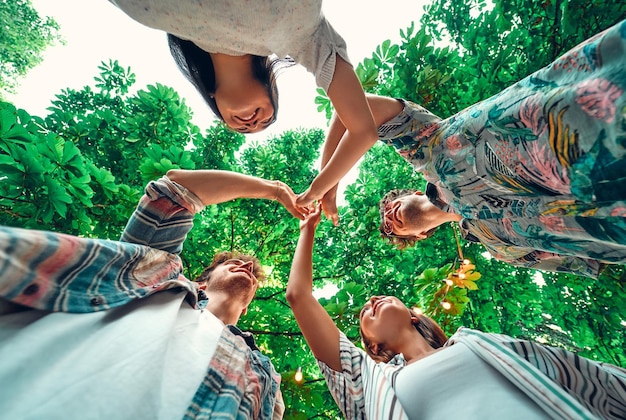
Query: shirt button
{"points": [[31, 290], [97, 301]]}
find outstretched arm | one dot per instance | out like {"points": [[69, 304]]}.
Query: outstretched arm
{"points": [[346, 94], [214, 187], [318, 328], [383, 109], [164, 215]]}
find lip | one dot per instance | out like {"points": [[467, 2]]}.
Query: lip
{"points": [[248, 118]]}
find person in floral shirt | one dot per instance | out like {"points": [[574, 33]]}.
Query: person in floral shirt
{"points": [[549, 152], [566, 244]]}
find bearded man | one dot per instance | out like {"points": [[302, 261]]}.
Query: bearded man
{"points": [[93, 328]]}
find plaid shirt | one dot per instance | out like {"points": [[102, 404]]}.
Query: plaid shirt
{"points": [[563, 384], [63, 273]]}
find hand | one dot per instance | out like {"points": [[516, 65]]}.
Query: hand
{"points": [[312, 219], [307, 198], [329, 205], [286, 197]]}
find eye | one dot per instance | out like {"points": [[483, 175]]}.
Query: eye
{"points": [[268, 121]]}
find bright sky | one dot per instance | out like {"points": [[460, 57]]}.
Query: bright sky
{"points": [[96, 30]]}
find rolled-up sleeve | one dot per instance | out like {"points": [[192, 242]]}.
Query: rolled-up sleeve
{"points": [[163, 217]]}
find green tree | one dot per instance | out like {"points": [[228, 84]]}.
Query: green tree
{"points": [[81, 170], [24, 37]]}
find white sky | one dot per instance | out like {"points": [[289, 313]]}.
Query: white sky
{"points": [[96, 31]]}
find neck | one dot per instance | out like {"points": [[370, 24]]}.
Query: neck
{"points": [[432, 216], [414, 347], [231, 68], [224, 307]]}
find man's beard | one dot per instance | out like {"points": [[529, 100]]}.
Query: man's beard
{"points": [[232, 285]]}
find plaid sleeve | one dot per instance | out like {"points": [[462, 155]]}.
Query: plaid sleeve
{"points": [[64, 273], [163, 217]]}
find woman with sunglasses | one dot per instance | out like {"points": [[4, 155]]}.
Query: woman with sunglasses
{"points": [[551, 144], [409, 370]]}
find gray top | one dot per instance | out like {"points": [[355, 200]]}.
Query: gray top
{"points": [[263, 27]]}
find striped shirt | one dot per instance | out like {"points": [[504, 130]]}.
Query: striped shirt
{"points": [[563, 384], [63, 273]]}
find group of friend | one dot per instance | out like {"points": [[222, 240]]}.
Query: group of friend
{"points": [[537, 174]]}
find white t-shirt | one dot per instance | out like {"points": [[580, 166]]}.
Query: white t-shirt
{"points": [[261, 27], [144, 360], [456, 383]]}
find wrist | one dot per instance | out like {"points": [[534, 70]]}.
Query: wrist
{"points": [[276, 190]]}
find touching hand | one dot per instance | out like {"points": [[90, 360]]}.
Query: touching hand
{"points": [[308, 197], [329, 205], [286, 197], [312, 219]]}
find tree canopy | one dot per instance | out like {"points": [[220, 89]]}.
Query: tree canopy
{"points": [[81, 170], [24, 37]]}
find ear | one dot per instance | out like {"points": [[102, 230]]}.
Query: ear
{"points": [[244, 311]]}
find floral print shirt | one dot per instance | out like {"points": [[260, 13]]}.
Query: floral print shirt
{"points": [[538, 171]]}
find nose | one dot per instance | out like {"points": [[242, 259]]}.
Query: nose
{"points": [[247, 265], [252, 124]]}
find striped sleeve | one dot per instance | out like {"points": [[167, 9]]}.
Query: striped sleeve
{"points": [[598, 386], [363, 389], [64, 273], [346, 386], [564, 384]]}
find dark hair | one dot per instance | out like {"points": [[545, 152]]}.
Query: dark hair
{"points": [[426, 326], [222, 257], [197, 66], [401, 242]]}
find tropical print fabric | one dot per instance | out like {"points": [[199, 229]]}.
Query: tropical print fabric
{"points": [[545, 159]]}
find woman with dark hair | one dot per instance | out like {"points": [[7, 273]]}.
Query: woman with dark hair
{"points": [[225, 48], [409, 370]]}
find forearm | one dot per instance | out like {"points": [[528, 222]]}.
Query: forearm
{"points": [[348, 152], [353, 142], [214, 186], [317, 327], [335, 134], [301, 274], [382, 108]]}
